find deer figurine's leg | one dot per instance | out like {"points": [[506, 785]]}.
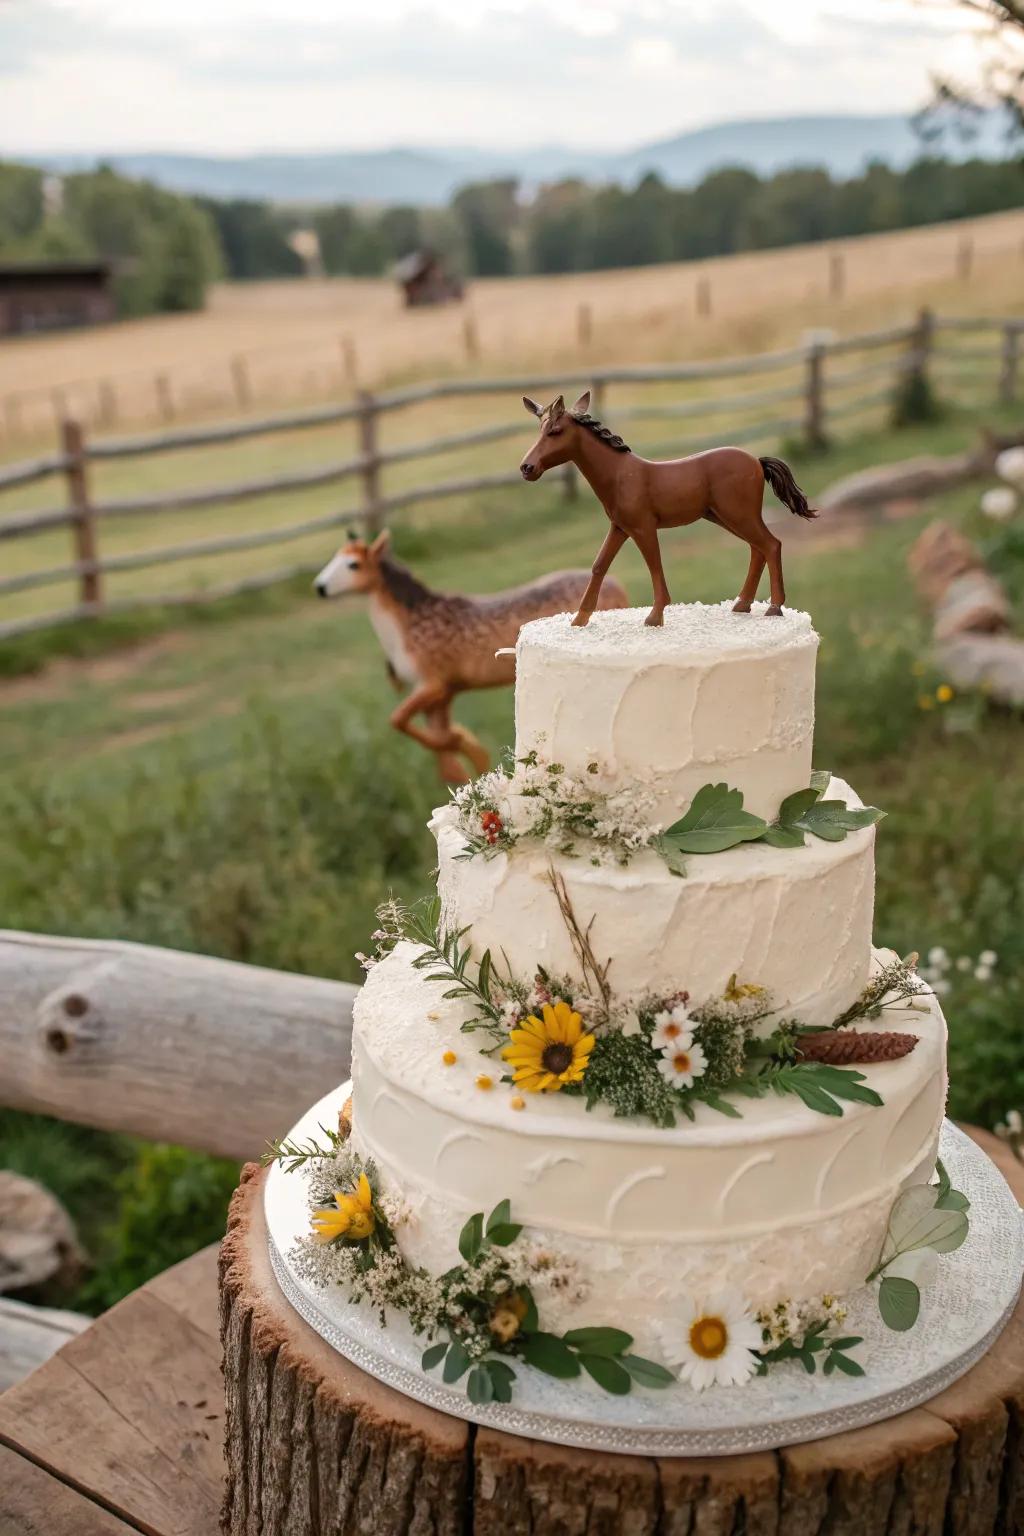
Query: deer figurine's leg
{"points": [[428, 699], [749, 589], [647, 542], [449, 765], [613, 542]]}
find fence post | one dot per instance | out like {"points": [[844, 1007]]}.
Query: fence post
{"points": [[814, 398], [1009, 362], [470, 339], [107, 404], [83, 514], [164, 397], [349, 361], [964, 257], [704, 297], [240, 380], [584, 325], [368, 415], [836, 274]]}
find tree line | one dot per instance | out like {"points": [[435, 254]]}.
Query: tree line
{"points": [[167, 248]]}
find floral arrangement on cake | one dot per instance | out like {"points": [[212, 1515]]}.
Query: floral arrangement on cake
{"points": [[527, 799], [486, 1312], [652, 1057]]}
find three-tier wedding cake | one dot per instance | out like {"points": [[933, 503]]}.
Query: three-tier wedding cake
{"points": [[635, 1100]]}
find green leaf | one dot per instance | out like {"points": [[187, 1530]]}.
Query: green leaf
{"points": [[457, 1363], [646, 1373], [846, 1365], [784, 837], [479, 1386], [483, 979], [945, 1183], [816, 1098], [471, 1238], [821, 778], [502, 1236], [953, 1200], [598, 1341], [502, 1376], [845, 1084], [608, 1373], [500, 1216], [917, 1222], [899, 1302], [546, 1352], [715, 820], [793, 807], [832, 819], [530, 1320], [671, 854], [434, 1355]]}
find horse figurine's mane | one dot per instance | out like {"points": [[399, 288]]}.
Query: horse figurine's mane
{"points": [[604, 433]]}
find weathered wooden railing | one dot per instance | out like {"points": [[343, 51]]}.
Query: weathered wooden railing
{"points": [[807, 405], [165, 1045]]}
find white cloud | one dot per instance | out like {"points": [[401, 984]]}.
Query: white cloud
{"points": [[235, 76]]}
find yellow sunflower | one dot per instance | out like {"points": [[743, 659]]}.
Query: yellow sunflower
{"points": [[546, 1053], [351, 1215]]}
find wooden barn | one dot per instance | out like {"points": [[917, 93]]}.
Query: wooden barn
{"points": [[423, 280], [53, 295]]}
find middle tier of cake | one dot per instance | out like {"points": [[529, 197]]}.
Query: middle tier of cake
{"points": [[796, 920]]}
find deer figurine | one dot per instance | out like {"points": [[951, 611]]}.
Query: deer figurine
{"points": [[441, 644], [643, 496]]}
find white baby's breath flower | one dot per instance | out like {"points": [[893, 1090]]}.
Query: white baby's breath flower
{"points": [[940, 986], [987, 957], [964, 963], [999, 503], [983, 973], [682, 1062], [937, 957], [1010, 465], [714, 1342]]}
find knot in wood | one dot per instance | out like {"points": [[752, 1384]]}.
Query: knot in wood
{"points": [[68, 1018]]}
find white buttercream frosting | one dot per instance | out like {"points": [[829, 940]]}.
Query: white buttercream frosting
{"points": [[782, 1202], [794, 920], [712, 695]]}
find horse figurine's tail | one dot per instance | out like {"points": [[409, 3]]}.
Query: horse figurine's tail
{"points": [[780, 477]]}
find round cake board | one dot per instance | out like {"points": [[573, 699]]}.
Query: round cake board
{"points": [[962, 1313]]}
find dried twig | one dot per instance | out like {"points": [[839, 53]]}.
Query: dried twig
{"points": [[579, 937]]}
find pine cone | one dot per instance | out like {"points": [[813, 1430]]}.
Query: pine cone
{"points": [[845, 1048]]}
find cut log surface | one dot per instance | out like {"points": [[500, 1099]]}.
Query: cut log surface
{"points": [[123, 1431]]}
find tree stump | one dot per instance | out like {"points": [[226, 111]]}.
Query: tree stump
{"points": [[314, 1447]]}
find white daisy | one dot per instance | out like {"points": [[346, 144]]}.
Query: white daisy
{"points": [[714, 1343], [682, 1062], [671, 1025]]}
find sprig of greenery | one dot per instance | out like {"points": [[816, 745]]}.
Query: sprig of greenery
{"points": [[924, 1216], [815, 1346], [448, 959], [716, 820], [816, 1084], [295, 1154], [603, 1353]]}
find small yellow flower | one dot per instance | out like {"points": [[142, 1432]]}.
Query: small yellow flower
{"points": [[735, 993], [449, 1058], [516, 1102], [485, 1082], [547, 1053], [506, 1317], [351, 1215], [925, 701], [943, 693], [918, 669]]}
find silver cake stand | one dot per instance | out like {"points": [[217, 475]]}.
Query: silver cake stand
{"points": [[962, 1314]]}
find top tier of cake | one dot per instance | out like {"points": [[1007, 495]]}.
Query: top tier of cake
{"points": [[713, 696]]}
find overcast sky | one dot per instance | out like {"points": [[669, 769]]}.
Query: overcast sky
{"points": [[236, 76]]}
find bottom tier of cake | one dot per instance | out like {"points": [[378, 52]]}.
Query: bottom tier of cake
{"points": [[625, 1218]]}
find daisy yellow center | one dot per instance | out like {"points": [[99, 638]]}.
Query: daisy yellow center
{"points": [[673, 1031], [556, 1057], [709, 1338], [681, 1061]]}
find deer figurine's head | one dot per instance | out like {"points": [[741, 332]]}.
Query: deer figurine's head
{"points": [[354, 568], [558, 433]]}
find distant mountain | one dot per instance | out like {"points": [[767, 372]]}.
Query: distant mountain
{"points": [[842, 143]]}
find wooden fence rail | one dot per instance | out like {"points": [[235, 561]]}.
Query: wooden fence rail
{"points": [[173, 1047], [813, 394]]}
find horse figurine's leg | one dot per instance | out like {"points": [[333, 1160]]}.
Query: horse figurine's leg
{"points": [[646, 540], [613, 542], [749, 589], [773, 554]]}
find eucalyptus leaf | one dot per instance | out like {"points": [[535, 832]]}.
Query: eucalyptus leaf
{"points": [[471, 1238], [608, 1373], [917, 1222], [546, 1352], [479, 1386], [434, 1355], [647, 1373], [502, 1376], [500, 1216], [599, 1341], [899, 1302], [715, 821], [457, 1363]]}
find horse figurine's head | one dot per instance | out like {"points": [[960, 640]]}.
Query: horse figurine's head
{"points": [[558, 431], [353, 568]]}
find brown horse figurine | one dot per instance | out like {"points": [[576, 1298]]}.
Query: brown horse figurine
{"points": [[439, 644], [642, 496]]}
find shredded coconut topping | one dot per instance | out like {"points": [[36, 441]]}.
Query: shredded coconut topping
{"points": [[704, 630]]}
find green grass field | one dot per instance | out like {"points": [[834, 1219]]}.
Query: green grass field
{"points": [[231, 785]]}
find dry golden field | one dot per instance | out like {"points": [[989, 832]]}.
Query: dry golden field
{"points": [[292, 336]]}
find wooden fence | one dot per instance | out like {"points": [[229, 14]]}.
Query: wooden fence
{"points": [[811, 398]]}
